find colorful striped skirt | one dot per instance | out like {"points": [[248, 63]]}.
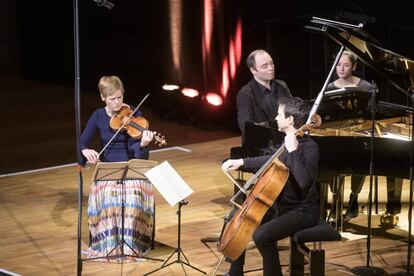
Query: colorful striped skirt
{"points": [[105, 218]]}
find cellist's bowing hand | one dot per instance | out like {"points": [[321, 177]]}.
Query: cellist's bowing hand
{"points": [[291, 142], [147, 137], [232, 164], [91, 155]]}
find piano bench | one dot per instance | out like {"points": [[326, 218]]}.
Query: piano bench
{"points": [[316, 257]]}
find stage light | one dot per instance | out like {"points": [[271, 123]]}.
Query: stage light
{"points": [[188, 106], [190, 92], [214, 99], [178, 102], [170, 87], [166, 101], [211, 111]]}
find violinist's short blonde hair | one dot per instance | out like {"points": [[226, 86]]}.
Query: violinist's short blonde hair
{"points": [[108, 85]]}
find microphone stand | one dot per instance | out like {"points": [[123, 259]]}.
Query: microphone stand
{"points": [[78, 131], [410, 200], [370, 270], [77, 92]]}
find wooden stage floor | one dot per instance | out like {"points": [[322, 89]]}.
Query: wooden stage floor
{"points": [[39, 215]]}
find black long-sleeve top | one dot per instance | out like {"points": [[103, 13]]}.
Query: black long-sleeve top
{"points": [[300, 190], [257, 104]]}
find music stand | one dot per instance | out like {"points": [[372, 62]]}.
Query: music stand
{"points": [[174, 190], [134, 169], [178, 249]]}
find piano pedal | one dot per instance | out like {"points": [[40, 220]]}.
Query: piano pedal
{"points": [[388, 219]]}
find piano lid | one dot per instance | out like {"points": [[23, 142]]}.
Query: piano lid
{"points": [[388, 64]]}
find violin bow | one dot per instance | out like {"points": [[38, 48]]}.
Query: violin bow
{"points": [[123, 124]]}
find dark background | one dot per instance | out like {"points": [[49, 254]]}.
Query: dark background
{"points": [[132, 41]]}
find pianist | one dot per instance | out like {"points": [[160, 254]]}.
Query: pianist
{"points": [[345, 71]]}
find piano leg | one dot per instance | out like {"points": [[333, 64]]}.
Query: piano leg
{"points": [[323, 195], [376, 193], [337, 188]]}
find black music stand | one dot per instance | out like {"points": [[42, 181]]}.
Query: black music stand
{"points": [[177, 250], [174, 190], [368, 269], [121, 171]]}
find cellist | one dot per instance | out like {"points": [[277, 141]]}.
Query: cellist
{"points": [[297, 206]]}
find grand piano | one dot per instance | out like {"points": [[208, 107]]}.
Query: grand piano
{"points": [[345, 134], [351, 118]]}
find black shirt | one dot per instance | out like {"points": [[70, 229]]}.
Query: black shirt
{"points": [[300, 189], [257, 105]]}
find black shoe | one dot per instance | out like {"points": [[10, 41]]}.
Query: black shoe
{"points": [[228, 274], [352, 210], [332, 213], [234, 272], [388, 219]]}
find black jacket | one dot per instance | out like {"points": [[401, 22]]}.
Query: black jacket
{"points": [[252, 105]]}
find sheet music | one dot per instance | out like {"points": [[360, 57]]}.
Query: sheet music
{"points": [[169, 183]]}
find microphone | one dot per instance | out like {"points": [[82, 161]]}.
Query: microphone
{"points": [[411, 89], [104, 3], [374, 88]]}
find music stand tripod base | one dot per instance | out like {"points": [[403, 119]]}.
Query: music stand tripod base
{"points": [[178, 250], [368, 270]]}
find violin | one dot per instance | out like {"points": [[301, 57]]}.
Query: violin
{"points": [[134, 126]]}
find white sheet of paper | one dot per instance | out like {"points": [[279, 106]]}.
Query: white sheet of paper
{"points": [[169, 183]]}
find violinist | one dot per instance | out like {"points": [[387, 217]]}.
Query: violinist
{"points": [[297, 206], [104, 208], [123, 147]]}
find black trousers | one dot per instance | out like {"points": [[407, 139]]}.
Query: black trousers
{"points": [[394, 191], [277, 225]]}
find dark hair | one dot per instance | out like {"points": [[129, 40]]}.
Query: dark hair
{"points": [[251, 58], [296, 107]]}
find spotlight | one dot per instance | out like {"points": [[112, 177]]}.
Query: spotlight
{"points": [[188, 106], [212, 112], [167, 101], [170, 87], [189, 92], [178, 102], [214, 99]]}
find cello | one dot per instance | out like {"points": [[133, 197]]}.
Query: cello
{"points": [[268, 183]]}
